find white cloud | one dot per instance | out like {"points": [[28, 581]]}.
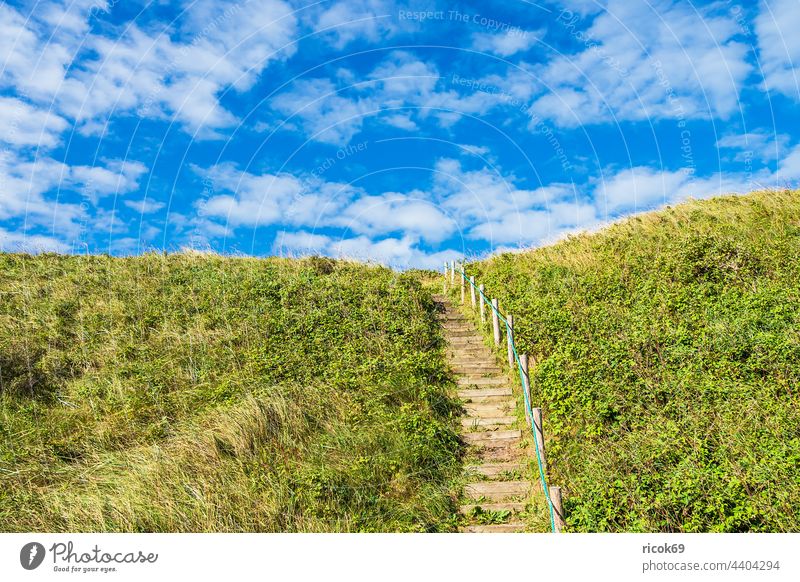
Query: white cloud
{"points": [[506, 43], [755, 146], [31, 243], [789, 167], [116, 177], [22, 124], [345, 22], [177, 73], [324, 114], [640, 188], [144, 206], [23, 186], [640, 61], [412, 214], [484, 195], [396, 252], [334, 114], [779, 45], [26, 187], [475, 150], [302, 242], [478, 204], [643, 188], [252, 200], [401, 121], [36, 50]]}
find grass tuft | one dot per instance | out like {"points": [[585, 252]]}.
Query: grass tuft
{"points": [[195, 392]]}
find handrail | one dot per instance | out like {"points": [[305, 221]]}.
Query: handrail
{"points": [[528, 408]]}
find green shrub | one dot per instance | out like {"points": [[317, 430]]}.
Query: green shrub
{"points": [[200, 393], [669, 364]]}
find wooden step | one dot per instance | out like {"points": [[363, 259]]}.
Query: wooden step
{"points": [[481, 381], [497, 491], [461, 359], [491, 446], [478, 421], [475, 363], [508, 453], [483, 393], [513, 506], [459, 333], [481, 370], [496, 528], [469, 353], [491, 409], [494, 469], [464, 340], [493, 435], [469, 346], [483, 356]]}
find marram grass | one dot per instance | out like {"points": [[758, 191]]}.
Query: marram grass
{"points": [[202, 393], [668, 364]]}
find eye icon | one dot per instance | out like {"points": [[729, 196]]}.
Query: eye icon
{"points": [[31, 555]]}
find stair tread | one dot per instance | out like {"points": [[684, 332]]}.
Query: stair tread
{"points": [[522, 485], [478, 392], [491, 409], [496, 528], [498, 506], [488, 381], [494, 469], [481, 421], [493, 435]]}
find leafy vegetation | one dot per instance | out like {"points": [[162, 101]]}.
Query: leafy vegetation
{"points": [[668, 364], [200, 393]]}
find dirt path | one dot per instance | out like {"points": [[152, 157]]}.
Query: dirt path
{"points": [[495, 494]]}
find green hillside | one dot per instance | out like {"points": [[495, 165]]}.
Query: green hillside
{"points": [[200, 393], [668, 350]]}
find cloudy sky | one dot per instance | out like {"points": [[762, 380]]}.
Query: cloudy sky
{"points": [[406, 133]]}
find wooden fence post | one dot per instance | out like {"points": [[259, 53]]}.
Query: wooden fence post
{"points": [[463, 284], [483, 305], [526, 384], [510, 340], [452, 272], [496, 322], [558, 507], [472, 290], [537, 430]]}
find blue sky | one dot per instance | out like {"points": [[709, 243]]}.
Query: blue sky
{"points": [[408, 133]]}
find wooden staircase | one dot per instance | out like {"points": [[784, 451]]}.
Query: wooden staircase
{"points": [[495, 494]]}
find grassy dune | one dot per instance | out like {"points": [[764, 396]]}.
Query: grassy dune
{"points": [[668, 350], [200, 393]]}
